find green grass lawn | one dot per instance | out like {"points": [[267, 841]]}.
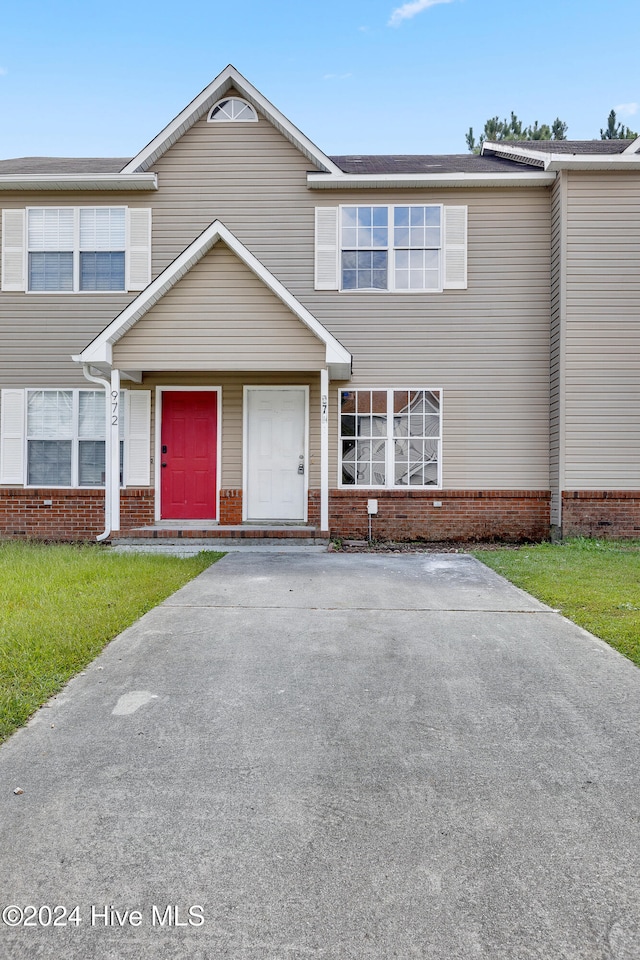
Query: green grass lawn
{"points": [[60, 605], [595, 583]]}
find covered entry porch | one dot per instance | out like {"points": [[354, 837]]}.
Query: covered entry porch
{"points": [[229, 375]]}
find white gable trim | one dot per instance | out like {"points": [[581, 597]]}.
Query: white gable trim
{"points": [[203, 103], [633, 147], [99, 351]]}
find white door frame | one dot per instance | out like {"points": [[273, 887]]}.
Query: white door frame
{"points": [[245, 443], [157, 444]]}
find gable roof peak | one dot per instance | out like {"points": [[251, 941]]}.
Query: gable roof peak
{"points": [[229, 78]]}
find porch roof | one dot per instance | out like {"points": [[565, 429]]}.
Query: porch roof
{"points": [[99, 353]]}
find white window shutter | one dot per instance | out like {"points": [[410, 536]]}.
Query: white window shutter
{"points": [[12, 436], [137, 438], [455, 248], [13, 250], [139, 251], [326, 249]]}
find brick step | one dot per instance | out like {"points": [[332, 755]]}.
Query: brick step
{"points": [[231, 533]]}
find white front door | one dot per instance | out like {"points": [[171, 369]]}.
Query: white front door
{"points": [[275, 453]]}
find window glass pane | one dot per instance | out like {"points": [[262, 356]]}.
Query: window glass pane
{"points": [[102, 271], [432, 216], [380, 216], [364, 216], [91, 413], [416, 430], [348, 401], [50, 414], [102, 228], [50, 228], [364, 270], [91, 466], [49, 463], [401, 216], [50, 271], [349, 216]]}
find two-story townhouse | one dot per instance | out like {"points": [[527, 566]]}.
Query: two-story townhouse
{"points": [[235, 330]]}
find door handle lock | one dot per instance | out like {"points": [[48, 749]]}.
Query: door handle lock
{"points": [[164, 464], [301, 468]]}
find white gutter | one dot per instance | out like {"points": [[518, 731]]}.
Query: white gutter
{"points": [[78, 181], [327, 181], [107, 452]]}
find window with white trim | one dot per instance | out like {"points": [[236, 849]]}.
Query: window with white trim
{"points": [[390, 438], [66, 438], [402, 248], [391, 248], [234, 110], [76, 248]]}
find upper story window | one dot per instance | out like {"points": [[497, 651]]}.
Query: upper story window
{"points": [[70, 248], [391, 248], [403, 248], [233, 109]]}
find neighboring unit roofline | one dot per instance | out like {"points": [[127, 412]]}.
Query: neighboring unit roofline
{"points": [[633, 147], [199, 107], [564, 161], [326, 181], [75, 181]]}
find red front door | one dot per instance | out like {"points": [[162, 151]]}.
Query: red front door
{"points": [[188, 454]]}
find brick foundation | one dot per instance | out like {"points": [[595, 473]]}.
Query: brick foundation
{"points": [[601, 513], [71, 514], [511, 515], [402, 515]]}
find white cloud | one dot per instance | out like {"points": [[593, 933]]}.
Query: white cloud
{"points": [[627, 109], [3, 71], [409, 10]]}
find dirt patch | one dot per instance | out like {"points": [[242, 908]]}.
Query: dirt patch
{"points": [[418, 546]]}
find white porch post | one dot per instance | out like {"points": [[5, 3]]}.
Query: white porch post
{"points": [[324, 449], [114, 433]]}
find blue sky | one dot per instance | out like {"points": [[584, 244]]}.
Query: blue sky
{"points": [[357, 76]]}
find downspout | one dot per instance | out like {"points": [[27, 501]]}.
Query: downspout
{"points": [[107, 452]]}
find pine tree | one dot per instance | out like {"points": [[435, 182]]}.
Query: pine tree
{"points": [[616, 131], [512, 129]]}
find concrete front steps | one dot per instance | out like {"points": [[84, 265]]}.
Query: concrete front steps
{"points": [[194, 536]]}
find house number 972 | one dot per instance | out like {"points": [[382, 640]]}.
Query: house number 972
{"points": [[115, 402]]}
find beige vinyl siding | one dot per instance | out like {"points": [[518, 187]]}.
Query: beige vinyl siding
{"points": [[487, 346], [219, 316], [232, 386], [40, 331], [603, 332], [556, 405]]}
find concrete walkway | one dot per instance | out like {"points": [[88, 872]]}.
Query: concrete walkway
{"points": [[332, 757]]}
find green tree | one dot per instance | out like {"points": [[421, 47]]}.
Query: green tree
{"points": [[616, 131], [496, 129]]}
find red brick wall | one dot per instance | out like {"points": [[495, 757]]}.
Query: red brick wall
{"points": [[601, 513], [403, 515], [464, 515], [71, 514], [230, 507]]}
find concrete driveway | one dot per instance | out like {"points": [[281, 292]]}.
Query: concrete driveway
{"points": [[329, 756]]}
